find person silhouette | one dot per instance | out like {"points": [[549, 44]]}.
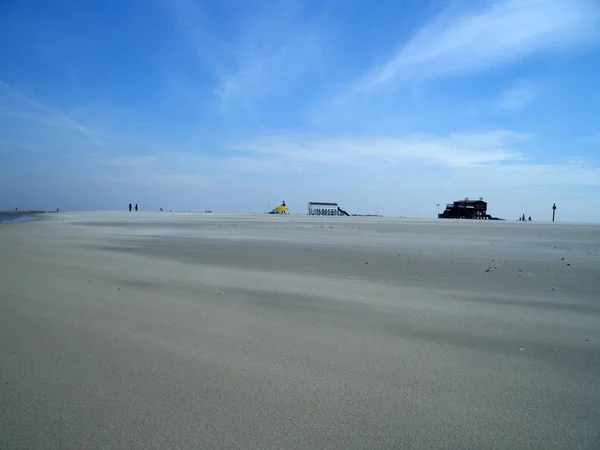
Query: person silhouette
{"points": [[130, 207], [136, 207]]}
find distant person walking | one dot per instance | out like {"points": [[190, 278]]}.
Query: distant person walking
{"points": [[130, 206], [136, 207]]}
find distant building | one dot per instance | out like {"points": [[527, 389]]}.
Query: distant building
{"points": [[466, 209], [325, 209]]}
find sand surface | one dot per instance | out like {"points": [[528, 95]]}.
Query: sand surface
{"points": [[192, 331]]}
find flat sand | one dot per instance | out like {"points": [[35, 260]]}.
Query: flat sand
{"points": [[202, 331]]}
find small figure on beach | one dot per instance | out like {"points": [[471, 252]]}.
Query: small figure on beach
{"points": [[530, 218], [136, 207], [130, 206]]}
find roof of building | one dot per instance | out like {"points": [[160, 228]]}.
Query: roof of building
{"points": [[469, 202], [322, 203]]}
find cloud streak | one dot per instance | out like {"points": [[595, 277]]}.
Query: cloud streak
{"points": [[267, 47], [46, 115], [516, 97], [505, 31], [480, 161], [457, 150]]}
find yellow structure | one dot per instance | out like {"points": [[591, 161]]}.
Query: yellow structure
{"points": [[281, 209]]}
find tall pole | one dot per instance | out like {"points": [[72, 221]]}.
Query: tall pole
{"points": [[553, 211]]}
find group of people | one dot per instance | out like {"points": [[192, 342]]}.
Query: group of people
{"points": [[130, 207], [522, 218]]}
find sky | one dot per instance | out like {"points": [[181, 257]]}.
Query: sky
{"points": [[386, 107]]}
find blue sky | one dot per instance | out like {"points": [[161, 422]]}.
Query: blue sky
{"points": [[386, 107]]}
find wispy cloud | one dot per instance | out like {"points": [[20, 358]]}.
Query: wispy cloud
{"points": [[548, 176], [456, 150], [266, 47], [259, 164], [264, 72], [128, 162], [193, 24], [457, 162], [516, 97], [44, 114], [502, 31], [182, 180], [174, 168]]}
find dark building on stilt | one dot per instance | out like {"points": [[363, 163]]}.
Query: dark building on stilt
{"points": [[466, 209]]}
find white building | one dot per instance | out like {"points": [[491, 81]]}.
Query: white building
{"points": [[324, 209]]}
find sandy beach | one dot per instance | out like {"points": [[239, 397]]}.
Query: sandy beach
{"points": [[188, 331]]}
